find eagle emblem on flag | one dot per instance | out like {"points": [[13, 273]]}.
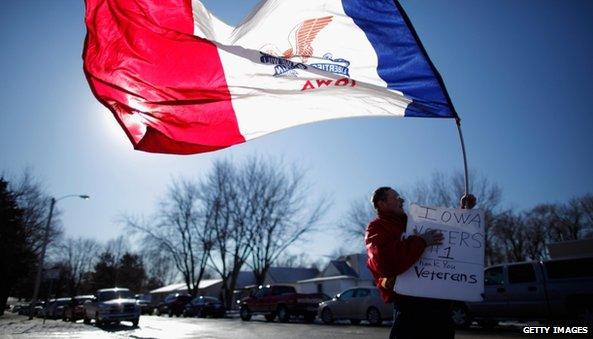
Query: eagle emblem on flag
{"points": [[301, 39]]}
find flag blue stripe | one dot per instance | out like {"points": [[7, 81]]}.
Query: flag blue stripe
{"points": [[402, 62]]}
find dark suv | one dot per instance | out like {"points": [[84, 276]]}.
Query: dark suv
{"points": [[204, 306], [174, 304]]}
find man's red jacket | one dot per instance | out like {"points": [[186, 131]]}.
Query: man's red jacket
{"points": [[389, 255]]}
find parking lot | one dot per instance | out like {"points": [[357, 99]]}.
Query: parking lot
{"points": [[15, 326]]}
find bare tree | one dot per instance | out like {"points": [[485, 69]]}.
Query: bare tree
{"points": [[443, 190], [277, 209], [299, 260], [160, 267], [231, 234], [117, 247], [574, 219], [79, 257], [587, 207], [540, 223], [180, 229], [34, 200], [509, 228], [358, 216], [259, 210]]}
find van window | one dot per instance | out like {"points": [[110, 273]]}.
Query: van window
{"points": [[493, 276], [523, 273], [572, 268]]}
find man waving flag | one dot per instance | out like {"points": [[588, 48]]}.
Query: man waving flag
{"points": [[178, 80]]}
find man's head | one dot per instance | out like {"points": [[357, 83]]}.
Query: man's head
{"points": [[386, 199]]}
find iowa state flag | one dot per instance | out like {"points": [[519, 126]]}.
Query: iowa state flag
{"points": [[178, 80]]}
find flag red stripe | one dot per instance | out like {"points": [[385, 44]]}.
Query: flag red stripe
{"points": [[165, 86]]}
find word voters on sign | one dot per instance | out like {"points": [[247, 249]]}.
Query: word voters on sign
{"points": [[453, 270]]}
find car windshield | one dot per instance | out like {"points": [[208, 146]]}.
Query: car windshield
{"points": [[117, 294]]}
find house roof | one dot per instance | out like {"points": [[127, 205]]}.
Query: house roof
{"points": [[290, 275], [171, 288], [343, 267], [335, 277], [182, 287], [245, 278]]}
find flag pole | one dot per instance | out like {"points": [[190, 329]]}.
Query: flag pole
{"points": [[458, 123]]}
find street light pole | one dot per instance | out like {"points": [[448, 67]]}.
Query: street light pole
{"points": [[44, 247]]}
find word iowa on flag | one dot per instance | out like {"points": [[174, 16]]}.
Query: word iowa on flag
{"points": [[179, 80]]}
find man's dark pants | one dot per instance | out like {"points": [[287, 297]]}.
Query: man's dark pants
{"points": [[422, 318]]}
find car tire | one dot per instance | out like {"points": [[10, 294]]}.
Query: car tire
{"points": [[327, 316], [135, 322], [355, 321], [157, 311], [86, 320], [283, 315], [374, 316], [245, 313], [270, 317], [460, 316]]}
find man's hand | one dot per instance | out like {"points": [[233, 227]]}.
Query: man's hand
{"points": [[432, 237], [468, 201]]}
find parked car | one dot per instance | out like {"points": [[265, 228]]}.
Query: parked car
{"points": [[145, 303], [112, 305], [55, 308], [548, 290], [356, 304], [203, 307], [74, 310], [174, 304], [37, 310], [16, 308], [280, 301]]}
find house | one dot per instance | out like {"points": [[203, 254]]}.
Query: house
{"points": [[340, 274]]}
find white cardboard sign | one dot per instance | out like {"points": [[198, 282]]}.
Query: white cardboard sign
{"points": [[453, 270]]}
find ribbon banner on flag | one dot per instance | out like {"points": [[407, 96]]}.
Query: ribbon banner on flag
{"points": [[178, 80]]}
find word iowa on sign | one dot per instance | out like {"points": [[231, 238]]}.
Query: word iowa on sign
{"points": [[453, 270]]}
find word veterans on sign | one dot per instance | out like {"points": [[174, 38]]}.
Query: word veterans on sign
{"points": [[453, 270]]}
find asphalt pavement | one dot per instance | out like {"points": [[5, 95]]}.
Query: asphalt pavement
{"points": [[15, 326]]}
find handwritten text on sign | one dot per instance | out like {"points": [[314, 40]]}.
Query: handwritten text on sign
{"points": [[453, 270]]}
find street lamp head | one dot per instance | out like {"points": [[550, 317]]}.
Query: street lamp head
{"points": [[84, 196]]}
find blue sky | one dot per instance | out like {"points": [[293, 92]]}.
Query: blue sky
{"points": [[518, 71]]}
